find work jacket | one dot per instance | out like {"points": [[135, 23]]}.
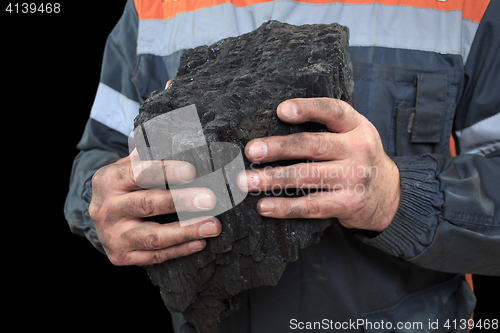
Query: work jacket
{"points": [[424, 72]]}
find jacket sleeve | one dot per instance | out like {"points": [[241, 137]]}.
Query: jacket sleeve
{"points": [[105, 139], [449, 214]]}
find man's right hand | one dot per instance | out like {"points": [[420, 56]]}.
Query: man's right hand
{"points": [[119, 205]]}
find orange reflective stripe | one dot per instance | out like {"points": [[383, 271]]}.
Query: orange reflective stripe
{"points": [[474, 10], [453, 147], [468, 277], [441, 5], [153, 9]]}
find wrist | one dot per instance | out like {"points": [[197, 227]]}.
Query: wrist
{"points": [[391, 200], [414, 224]]}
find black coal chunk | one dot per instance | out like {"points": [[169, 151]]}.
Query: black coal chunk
{"points": [[236, 85]]}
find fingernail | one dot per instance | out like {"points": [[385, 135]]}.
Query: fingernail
{"points": [[248, 180], [196, 245], [266, 206], [185, 172], [257, 150], [289, 110], [203, 201], [208, 229]]}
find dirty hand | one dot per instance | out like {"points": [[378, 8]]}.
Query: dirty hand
{"points": [[119, 205], [356, 181]]}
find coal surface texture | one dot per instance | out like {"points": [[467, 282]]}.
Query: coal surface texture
{"points": [[236, 85]]}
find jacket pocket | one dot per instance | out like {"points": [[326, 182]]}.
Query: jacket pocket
{"points": [[444, 307], [413, 109]]}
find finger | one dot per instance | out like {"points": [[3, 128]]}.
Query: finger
{"points": [[337, 115], [313, 206], [159, 256], [130, 173], [325, 175], [168, 83], [148, 174], [150, 236], [312, 146], [154, 202]]}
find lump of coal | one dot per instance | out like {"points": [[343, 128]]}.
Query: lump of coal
{"points": [[236, 85]]}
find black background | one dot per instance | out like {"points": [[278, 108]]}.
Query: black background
{"points": [[56, 280]]}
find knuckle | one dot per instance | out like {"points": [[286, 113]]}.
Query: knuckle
{"points": [[114, 260], [158, 257], [338, 108], [366, 148], [150, 173], [94, 211], [100, 203], [98, 177], [98, 181], [319, 144], [122, 171], [316, 143], [119, 259], [357, 202], [309, 174], [151, 241], [364, 179], [369, 144], [108, 242], [173, 252], [115, 246], [312, 207], [97, 211], [146, 204]]}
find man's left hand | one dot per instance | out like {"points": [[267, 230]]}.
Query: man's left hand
{"points": [[356, 181]]}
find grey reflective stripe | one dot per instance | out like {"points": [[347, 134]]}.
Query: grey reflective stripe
{"points": [[469, 29], [404, 27], [201, 27], [114, 109], [481, 138]]}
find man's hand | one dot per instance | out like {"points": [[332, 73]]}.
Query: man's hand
{"points": [[119, 204], [357, 182]]}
